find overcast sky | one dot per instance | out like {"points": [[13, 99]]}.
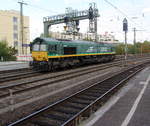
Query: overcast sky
{"points": [[136, 11]]}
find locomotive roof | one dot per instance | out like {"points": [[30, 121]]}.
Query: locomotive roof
{"points": [[47, 40]]}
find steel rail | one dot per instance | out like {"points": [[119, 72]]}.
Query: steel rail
{"points": [[13, 70], [15, 76]]}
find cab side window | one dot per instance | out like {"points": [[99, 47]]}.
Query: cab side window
{"points": [[52, 48]]}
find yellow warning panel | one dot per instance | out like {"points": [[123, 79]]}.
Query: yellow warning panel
{"points": [[40, 55]]}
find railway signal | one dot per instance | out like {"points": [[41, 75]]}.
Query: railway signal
{"points": [[71, 19]]}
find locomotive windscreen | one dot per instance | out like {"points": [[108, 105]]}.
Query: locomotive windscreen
{"points": [[39, 47], [69, 50]]}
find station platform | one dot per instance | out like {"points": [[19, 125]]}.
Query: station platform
{"points": [[13, 65], [129, 107]]}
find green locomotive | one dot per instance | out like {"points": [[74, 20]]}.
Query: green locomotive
{"points": [[48, 53]]}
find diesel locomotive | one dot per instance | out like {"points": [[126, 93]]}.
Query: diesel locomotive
{"points": [[48, 53]]}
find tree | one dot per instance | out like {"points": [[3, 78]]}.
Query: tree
{"points": [[132, 49], [120, 49], [146, 47], [49, 36], [7, 53], [88, 39]]}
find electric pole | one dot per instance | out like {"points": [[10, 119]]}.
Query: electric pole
{"points": [[21, 27], [134, 41], [134, 29]]}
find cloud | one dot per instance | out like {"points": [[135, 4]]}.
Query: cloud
{"points": [[69, 2], [146, 10], [37, 0], [32, 1]]}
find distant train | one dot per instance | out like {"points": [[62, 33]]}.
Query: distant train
{"points": [[48, 53]]}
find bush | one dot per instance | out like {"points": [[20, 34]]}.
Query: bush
{"points": [[131, 49], [7, 53]]}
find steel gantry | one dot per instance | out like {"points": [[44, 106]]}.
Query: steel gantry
{"points": [[71, 19]]}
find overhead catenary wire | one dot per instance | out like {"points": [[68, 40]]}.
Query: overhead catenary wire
{"points": [[37, 7], [124, 14]]}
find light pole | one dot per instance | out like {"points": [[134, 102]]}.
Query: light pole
{"points": [[125, 29]]}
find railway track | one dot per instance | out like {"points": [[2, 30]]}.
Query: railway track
{"points": [[51, 79], [11, 71], [37, 82], [10, 75], [17, 74], [69, 111]]}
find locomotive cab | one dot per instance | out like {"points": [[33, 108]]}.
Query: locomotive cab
{"points": [[39, 54], [39, 50]]}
